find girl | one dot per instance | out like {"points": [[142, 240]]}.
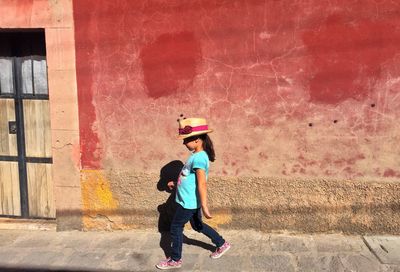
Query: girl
{"points": [[191, 191]]}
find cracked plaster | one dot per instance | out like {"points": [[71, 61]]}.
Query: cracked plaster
{"points": [[256, 80]]}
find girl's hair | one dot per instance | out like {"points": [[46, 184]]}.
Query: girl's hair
{"points": [[208, 146]]}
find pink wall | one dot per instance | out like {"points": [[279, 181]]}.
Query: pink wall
{"points": [[292, 88]]}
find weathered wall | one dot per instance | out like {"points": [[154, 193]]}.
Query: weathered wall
{"points": [[303, 96]]}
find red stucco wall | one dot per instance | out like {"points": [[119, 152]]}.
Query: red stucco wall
{"points": [[304, 88]]}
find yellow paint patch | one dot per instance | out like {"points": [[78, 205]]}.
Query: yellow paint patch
{"points": [[219, 218], [99, 206]]}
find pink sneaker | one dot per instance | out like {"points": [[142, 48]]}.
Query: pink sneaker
{"points": [[220, 251], [169, 264]]}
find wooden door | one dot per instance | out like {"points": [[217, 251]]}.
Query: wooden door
{"points": [[9, 175], [38, 146], [26, 188]]}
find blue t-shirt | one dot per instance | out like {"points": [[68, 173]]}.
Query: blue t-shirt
{"points": [[187, 194]]}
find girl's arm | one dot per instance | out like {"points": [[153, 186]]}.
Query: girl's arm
{"points": [[202, 187]]}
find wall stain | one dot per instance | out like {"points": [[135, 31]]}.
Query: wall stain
{"points": [[391, 173], [219, 218], [347, 57], [169, 63], [99, 205]]}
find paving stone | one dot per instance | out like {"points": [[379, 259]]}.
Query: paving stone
{"points": [[32, 243], [141, 251], [41, 258], [125, 260], [331, 243], [197, 245], [87, 260], [151, 241], [272, 263], [313, 262], [10, 256], [391, 268], [77, 240], [129, 240], [386, 268], [8, 237], [249, 241], [386, 248], [193, 243], [290, 243], [226, 263], [34, 260], [154, 257], [191, 262], [361, 263]]}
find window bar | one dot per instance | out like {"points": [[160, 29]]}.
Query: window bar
{"points": [[19, 115]]}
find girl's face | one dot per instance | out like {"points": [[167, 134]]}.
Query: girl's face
{"points": [[192, 143]]}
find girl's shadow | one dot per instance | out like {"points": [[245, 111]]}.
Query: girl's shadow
{"points": [[169, 172]]}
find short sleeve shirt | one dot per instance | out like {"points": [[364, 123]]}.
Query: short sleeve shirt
{"points": [[187, 194]]}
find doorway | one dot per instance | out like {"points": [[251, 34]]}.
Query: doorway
{"points": [[26, 188]]}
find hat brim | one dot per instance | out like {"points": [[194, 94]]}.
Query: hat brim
{"points": [[195, 133]]}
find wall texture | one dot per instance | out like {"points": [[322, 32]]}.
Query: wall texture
{"points": [[304, 98]]}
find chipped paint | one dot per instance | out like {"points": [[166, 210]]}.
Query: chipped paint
{"points": [[99, 205], [219, 218]]}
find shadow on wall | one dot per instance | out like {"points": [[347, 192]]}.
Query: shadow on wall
{"points": [[383, 218], [169, 172], [357, 207]]}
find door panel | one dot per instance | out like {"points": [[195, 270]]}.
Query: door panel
{"points": [[9, 189], [8, 142], [6, 75], [40, 190], [37, 128]]}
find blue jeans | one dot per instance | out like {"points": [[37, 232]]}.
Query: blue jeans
{"points": [[182, 216]]}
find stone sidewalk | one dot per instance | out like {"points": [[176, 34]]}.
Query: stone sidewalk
{"points": [[22, 250]]}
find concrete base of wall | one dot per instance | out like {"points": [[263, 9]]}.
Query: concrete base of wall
{"points": [[266, 204], [69, 220], [27, 224]]}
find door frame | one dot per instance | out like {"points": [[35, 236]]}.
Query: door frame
{"points": [[57, 20], [18, 96]]}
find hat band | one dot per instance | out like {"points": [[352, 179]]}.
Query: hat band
{"points": [[189, 129]]}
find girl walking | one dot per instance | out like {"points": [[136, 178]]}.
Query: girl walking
{"points": [[191, 191]]}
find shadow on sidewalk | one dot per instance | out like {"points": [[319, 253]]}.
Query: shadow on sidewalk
{"points": [[169, 172]]}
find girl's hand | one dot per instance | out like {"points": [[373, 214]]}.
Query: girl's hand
{"points": [[171, 185], [206, 213]]}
